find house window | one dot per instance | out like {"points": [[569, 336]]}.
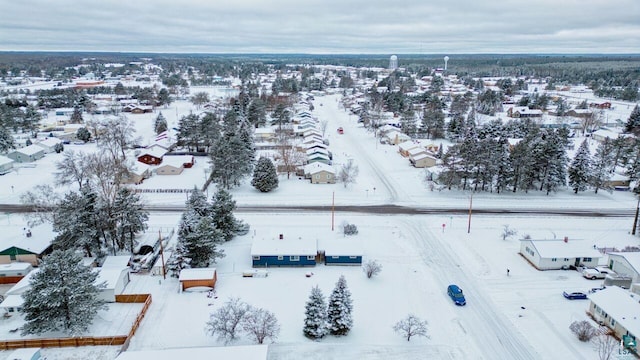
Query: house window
{"points": [[311, 257], [353, 257], [566, 259], [554, 259], [335, 257], [294, 258], [587, 259], [280, 257], [613, 322], [12, 256], [256, 257], [328, 177]]}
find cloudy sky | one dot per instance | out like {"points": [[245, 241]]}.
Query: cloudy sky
{"points": [[323, 26]]}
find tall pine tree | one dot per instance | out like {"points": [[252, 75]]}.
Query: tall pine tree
{"points": [[265, 177], [580, 169], [315, 322], [603, 165], [339, 309], [63, 296]]}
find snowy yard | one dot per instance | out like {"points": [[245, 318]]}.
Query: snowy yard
{"points": [[419, 255]]}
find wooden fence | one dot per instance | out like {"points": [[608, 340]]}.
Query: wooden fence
{"points": [[89, 340]]}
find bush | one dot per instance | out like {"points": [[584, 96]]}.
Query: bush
{"points": [[583, 330], [350, 229]]}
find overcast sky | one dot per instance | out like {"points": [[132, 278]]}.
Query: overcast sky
{"points": [[323, 26]]}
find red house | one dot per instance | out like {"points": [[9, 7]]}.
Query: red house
{"points": [[152, 156]]}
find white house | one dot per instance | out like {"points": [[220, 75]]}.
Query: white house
{"points": [[626, 264], [29, 153], [618, 309], [559, 254], [6, 165], [49, 144]]}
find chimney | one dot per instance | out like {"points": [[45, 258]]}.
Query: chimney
{"points": [[281, 236], [566, 239]]}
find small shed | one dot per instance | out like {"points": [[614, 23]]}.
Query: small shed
{"points": [[559, 254], [152, 156], [25, 354], [14, 272], [200, 277], [284, 250], [116, 280]]}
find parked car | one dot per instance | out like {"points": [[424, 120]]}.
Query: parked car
{"points": [[576, 295], [597, 273], [597, 289], [456, 294], [340, 130]]}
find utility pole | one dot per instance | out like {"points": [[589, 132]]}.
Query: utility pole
{"points": [[470, 207], [164, 273], [333, 207], [635, 219]]}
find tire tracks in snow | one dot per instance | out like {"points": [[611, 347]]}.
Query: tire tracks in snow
{"points": [[494, 335]]}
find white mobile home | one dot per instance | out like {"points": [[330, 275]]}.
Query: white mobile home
{"points": [[559, 254]]}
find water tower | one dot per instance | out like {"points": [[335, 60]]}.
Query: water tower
{"points": [[393, 62], [446, 60]]}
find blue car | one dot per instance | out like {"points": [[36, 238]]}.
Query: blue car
{"points": [[455, 293]]}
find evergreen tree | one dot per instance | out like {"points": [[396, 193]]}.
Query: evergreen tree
{"points": [[160, 123], [633, 123], [580, 169], [222, 208], [200, 245], [603, 165], [76, 116], [63, 296], [6, 140], [83, 134], [131, 218], [315, 322], [339, 309], [231, 159], [188, 132], [265, 177], [75, 219], [164, 98]]}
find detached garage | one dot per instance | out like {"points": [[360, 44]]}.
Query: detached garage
{"points": [[203, 277]]}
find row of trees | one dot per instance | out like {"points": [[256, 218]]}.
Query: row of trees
{"points": [[203, 226]]}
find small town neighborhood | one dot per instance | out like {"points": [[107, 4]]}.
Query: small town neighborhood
{"points": [[249, 195]]}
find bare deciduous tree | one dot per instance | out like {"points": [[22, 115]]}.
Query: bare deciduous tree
{"points": [[507, 232], [348, 173], [288, 156], [411, 326], [583, 330], [261, 324], [43, 199], [371, 268], [604, 345], [227, 321], [116, 135], [72, 168], [323, 127]]}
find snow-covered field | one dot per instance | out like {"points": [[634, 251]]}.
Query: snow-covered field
{"points": [[519, 316]]}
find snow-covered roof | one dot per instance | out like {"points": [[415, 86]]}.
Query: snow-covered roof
{"points": [[110, 275], [30, 150], [5, 160], [562, 249], [344, 246], [157, 152], [318, 150], [288, 245], [118, 261], [197, 274], [12, 301], [244, 352], [15, 266], [23, 285], [633, 258], [49, 142], [422, 155], [317, 167], [417, 150], [406, 145], [621, 305], [37, 243]]}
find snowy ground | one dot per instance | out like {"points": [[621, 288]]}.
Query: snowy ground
{"points": [[524, 313]]}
